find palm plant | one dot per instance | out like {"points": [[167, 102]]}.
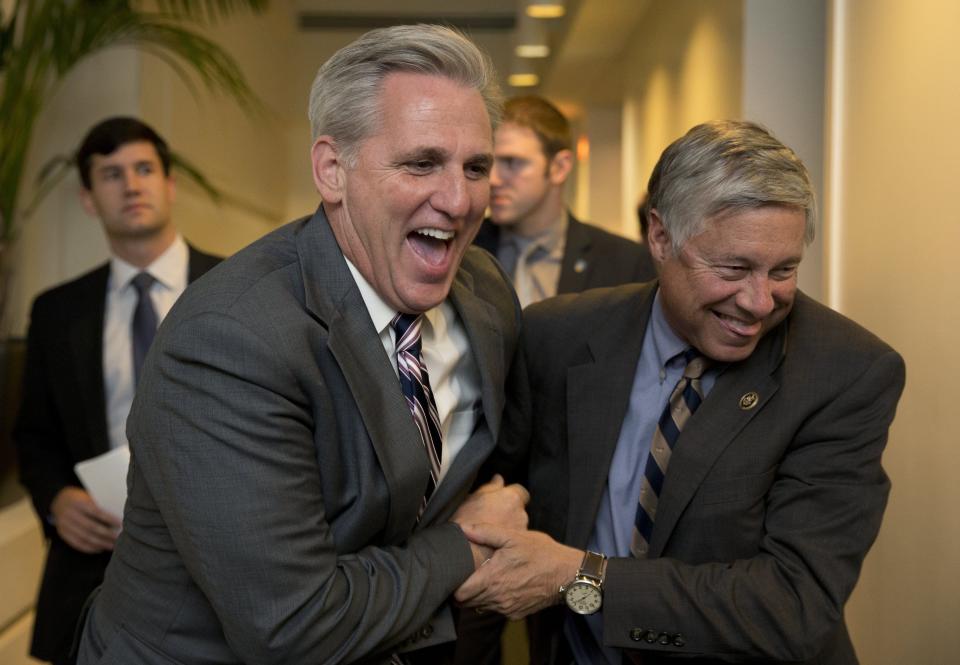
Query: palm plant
{"points": [[42, 40]]}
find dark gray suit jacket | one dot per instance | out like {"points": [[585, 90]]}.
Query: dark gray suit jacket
{"points": [[592, 257], [276, 472], [768, 508], [62, 421]]}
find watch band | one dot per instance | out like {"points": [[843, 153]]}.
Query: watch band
{"points": [[594, 565]]}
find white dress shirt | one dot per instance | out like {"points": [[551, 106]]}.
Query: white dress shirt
{"points": [[170, 271], [444, 347]]}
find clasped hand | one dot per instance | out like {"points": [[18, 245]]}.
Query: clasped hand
{"points": [[518, 572]]}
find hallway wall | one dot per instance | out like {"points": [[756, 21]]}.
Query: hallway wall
{"points": [[893, 267], [685, 67]]}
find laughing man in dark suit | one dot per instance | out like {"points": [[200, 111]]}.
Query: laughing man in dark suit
{"points": [[540, 244], [735, 534], [79, 378], [298, 477]]}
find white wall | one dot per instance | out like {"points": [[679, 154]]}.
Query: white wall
{"points": [[893, 267], [682, 67], [784, 53]]}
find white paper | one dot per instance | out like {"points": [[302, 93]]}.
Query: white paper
{"points": [[105, 478]]}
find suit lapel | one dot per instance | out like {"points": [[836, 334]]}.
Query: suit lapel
{"points": [[713, 428], [576, 265], [486, 344], [85, 338], [332, 297], [598, 395], [198, 263]]}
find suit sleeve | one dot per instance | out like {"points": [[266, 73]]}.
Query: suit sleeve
{"points": [[46, 464], [822, 513], [224, 438]]}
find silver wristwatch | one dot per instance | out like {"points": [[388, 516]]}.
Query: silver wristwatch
{"points": [[584, 594]]}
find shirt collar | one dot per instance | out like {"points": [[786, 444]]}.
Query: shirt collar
{"points": [[380, 312], [169, 269], [666, 342], [550, 241]]}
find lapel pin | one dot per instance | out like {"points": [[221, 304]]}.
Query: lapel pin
{"points": [[580, 265], [749, 400]]}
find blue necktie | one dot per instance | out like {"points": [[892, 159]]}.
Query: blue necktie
{"points": [[416, 388], [684, 400], [144, 324]]}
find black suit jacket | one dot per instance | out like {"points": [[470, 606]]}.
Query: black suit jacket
{"points": [[62, 421], [592, 257], [774, 493]]}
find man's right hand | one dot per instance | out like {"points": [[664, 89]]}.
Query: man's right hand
{"points": [[493, 503], [81, 523]]}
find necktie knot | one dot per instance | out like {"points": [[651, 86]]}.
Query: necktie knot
{"points": [[407, 329], [696, 365], [142, 282]]}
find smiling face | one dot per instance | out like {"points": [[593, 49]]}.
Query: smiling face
{"points": [[732, 283], [406, 211], [129, 192]]}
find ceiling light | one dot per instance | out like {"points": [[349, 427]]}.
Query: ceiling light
{"points": [[524, 73], [531, 39], [523, 80], [545, 8], [532, 50]]}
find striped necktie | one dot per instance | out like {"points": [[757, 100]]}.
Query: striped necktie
{"points": [[684, 400], [416, 388]]}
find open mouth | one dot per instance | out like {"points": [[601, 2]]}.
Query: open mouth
{"points": [[431, 245]]}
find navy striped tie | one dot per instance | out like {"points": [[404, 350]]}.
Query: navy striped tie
{"points": [[684, 400], [416, 388]]}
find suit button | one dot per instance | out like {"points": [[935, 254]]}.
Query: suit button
{"points": [[678, 640], [664, 639], [426, 631], [636, 634], [650, 637]]}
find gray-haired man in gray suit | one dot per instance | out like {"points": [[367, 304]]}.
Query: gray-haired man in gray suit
{"points": [[284, 506], [703, 451]]}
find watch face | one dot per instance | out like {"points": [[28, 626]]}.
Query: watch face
{"points": [[583, 597]]}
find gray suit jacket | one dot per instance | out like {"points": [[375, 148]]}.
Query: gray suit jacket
{"points": [[769, 505], [276, 472]]}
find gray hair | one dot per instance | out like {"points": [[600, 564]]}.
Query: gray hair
{"points": [[723, 166], [344, 98]]}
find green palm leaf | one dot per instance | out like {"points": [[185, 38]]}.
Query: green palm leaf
{"points": [[42, 40]]}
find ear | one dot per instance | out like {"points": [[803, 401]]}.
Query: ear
{"points": [[560, 167], [171, 188], [86, 200], [658, 238], [327, 171]]}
